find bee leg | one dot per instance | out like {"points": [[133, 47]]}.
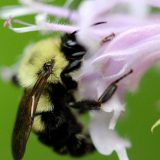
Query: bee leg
{"points": [[66, 79], [69, 82], [108, 93], [73, 65], [85, 105], [110, 90], [77, 55]]}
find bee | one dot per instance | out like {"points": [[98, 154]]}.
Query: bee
{"points": [[45, 73]]}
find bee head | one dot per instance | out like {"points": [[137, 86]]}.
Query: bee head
{"points": [[70, 46]]}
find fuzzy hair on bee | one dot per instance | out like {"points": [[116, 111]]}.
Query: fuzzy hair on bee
{"points": [[44, 73], [41, 53]]}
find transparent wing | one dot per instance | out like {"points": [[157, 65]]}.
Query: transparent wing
{"points": [[25, 115]]}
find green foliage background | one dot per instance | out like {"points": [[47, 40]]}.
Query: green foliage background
{"points": [[142, 108]]}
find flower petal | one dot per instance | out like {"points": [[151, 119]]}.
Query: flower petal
{"points": [[15, 11], [51, 10], [105, 140], [133, 37], [114, 106], [40, 26], [31, 28], [155, 3]]}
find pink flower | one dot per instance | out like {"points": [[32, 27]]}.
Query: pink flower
{"points": [[41, 10], [136, 46]]}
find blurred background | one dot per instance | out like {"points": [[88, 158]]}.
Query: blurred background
{"points": [[143, 107]]}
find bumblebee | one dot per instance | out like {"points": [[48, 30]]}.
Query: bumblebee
{"points": [[45, 74]]}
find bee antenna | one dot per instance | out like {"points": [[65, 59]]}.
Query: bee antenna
{"points": [[74, 32]]}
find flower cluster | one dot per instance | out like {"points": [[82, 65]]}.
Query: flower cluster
{"points": [[119, 35]]}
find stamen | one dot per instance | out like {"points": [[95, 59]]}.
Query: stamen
{"points": [[43, 26], [108, 38], [66, 6], [7, 22], [22, 22], [60, 27], [99, 23], [51, 10], [29, 28], [25, 29]]}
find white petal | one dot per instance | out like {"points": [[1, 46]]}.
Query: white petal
{"points": [[94, 9], [41, 26], [105, 140], [155, 3], [26, 29], [122, 154], [115, 107]]}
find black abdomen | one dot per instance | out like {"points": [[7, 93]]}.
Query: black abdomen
{"points": [[62, 132]]}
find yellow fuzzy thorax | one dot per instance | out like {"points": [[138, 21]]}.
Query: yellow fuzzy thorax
{"points": [[36, 57]]}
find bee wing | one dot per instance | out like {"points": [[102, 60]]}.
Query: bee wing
{"points": [[25, 116]]}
